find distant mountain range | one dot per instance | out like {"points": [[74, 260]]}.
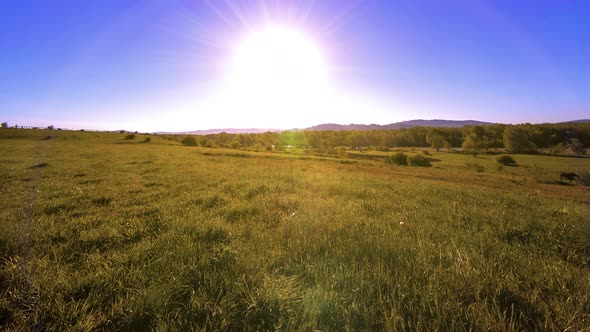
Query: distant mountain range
{"points": [[577, 121], [337, 127], [402, 125]]}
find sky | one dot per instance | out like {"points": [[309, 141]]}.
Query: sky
{"points": [[179, 65]]}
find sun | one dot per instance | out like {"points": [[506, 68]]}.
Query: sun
{"points": [[280, 56], [274, 69]]}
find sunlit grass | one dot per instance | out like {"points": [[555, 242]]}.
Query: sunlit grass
{"points": [[149, 235]]}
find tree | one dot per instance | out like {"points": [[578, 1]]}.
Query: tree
{"points": [[435, 139], [516, 140], [475, 140], [4, 125], [51, 127], [577, 146]]}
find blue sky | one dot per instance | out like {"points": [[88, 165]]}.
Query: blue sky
{"points": [[161, 65]]}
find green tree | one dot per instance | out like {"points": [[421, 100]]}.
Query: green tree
{"points": [[475, 140], [435, 139], [4, 125], [516, 140], [577, 146]]}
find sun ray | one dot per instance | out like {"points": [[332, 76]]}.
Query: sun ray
{"points": [[218, 13], [341, 17], [305, 12], [238, 14]]}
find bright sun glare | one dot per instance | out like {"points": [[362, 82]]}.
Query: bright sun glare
{"points": [[273, 69], [278, 57]]}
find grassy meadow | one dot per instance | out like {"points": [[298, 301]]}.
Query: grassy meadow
{"points": [[102, 233]]}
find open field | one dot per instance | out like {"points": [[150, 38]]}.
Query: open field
{"points": [[98, 232]]}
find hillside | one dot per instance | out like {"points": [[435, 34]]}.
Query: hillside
{"points": [[402, 125]]}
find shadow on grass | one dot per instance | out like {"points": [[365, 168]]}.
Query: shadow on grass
{"points": [[41, 165], [560, 183]]}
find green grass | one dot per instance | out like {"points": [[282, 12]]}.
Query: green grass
{"points": [[101, 233]]}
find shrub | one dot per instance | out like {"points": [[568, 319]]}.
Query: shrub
{"points": [[130, 136], [506, 160], [398, 158], [147, 139], [419, 160], [189, 141]]}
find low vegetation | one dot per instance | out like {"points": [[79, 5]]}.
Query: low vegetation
{"points": [[506, 160], [99, 233], [419, 159], [398, 158], [189, 141]]}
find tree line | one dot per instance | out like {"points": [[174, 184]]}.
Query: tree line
{"points": [[524, 138]]}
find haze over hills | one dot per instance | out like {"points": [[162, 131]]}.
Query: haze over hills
{"points": [[336, 127], [402, 125], [352, 126], [577, 121]]}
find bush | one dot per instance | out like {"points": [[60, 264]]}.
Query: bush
{"points": [[147, 139], [130, 136], [419, 160], [398, 158], [189, 141], [506, 160]]}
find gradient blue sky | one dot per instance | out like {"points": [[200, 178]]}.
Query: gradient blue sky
{"points": [[156, 65]]}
